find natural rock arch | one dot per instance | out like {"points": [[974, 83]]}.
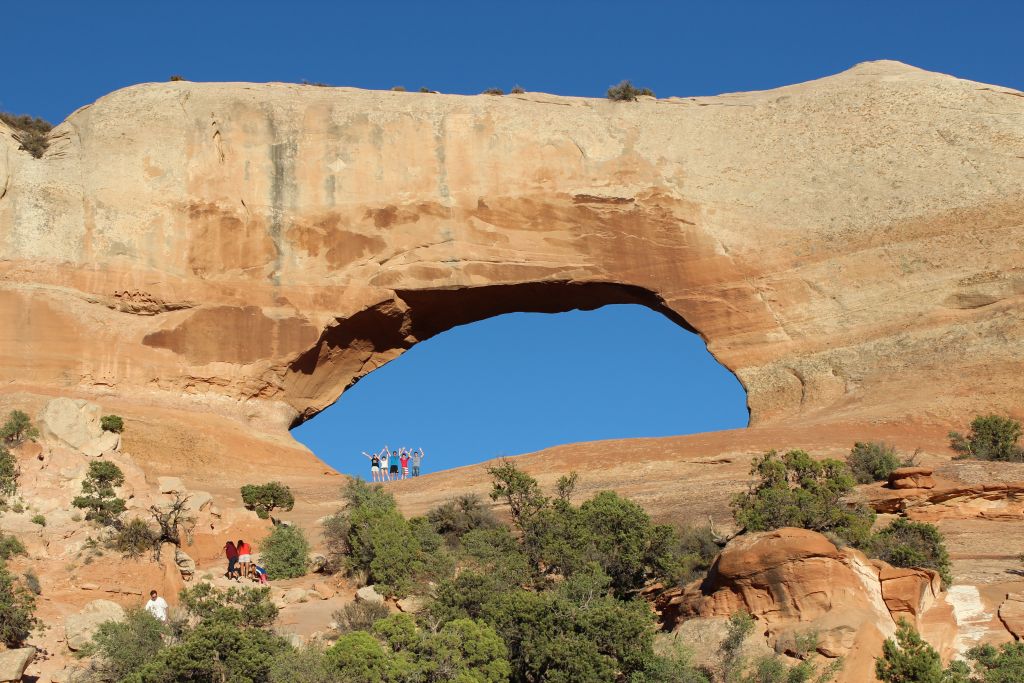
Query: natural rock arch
{"points": [[246, 251]]}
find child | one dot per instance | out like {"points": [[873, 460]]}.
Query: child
{"points": [[261, 573]]}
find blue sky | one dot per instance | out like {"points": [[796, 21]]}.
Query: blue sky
{"points": [[519, 382]]}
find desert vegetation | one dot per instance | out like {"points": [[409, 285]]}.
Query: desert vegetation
{"points": [[625, 91], [992, 437], [31, 132], [265, 498], [99, 499], [112, 423], [907, 658], [873, 461]]}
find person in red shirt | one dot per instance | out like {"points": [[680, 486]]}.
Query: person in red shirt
{"points": [[231, 552], [245, 558], [403, 457]]}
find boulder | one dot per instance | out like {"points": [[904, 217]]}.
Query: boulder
{"points": [[908, 592], [911, 478], [170, 485], [80, 627], [14, 662], [108, 442], [411, 605], [324, 590], [1011, 613], [73, 422], [198, 501], [186, 565], [369, 594], [295, 595]]}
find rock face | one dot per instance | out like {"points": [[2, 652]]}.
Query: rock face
{"points": [[14, 662], [74, 422], [796, 582], [248, 251], [79, 628], [911, 478]]}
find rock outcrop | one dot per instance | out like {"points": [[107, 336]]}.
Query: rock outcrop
{"points": [[14, 662], [203, 251], [911, 478], [797, 582], [79, 628]]}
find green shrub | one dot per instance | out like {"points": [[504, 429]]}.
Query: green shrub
{"points": [[907, 658], [112, 423], [135, 538], [698, 548], [285, 553], [17, 610], [10, 546], [458, 516], [424, 89], [99, 498], [18, 428], [9, 473], [493, 91], [17, 507], [243, 607], [870, 462], [359, 616], [627, 92], [306, 664], [795, 490], [39, 519], [264, 498], [1004, 664], [121, 648], [31, 133], [912, 544], [992, 437]]}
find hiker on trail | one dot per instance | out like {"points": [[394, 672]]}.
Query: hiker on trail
{"points": [[245, 558], [231, 552], [374, 466], [157, 606], [417, 458], [403, 458]]}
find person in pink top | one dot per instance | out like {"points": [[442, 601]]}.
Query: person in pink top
{"points": [[403, 457]]}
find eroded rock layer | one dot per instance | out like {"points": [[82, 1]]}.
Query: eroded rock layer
{"points": [[848, 247]]}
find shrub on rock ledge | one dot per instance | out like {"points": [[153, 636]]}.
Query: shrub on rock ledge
{"points": [[871, 462], [264, 498], [912, 544], [112, 423], [18, 428], [795, 490], [627, 92]]}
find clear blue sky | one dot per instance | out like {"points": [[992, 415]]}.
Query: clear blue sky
{"points": [[520, 382]]}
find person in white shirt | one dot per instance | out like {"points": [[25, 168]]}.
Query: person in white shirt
{"points": [[157, 606]]}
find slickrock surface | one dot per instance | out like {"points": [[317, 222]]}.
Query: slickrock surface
{"points": [[247, 251]]}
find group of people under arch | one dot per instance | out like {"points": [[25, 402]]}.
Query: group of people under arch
{"points": [[386, 465]]}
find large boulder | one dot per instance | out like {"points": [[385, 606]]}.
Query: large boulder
{"points": [[794, 582], [186, 565], [1011, 613], [74, 422], [369, 594], [107, 442], [170, 485], [14, 662], [79, 628]]}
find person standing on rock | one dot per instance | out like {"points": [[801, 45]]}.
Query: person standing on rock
{"points": [[417, 458], [244, 558], [231, 552], [157, 606], [385, 458], [403, 458], [374, 466]]}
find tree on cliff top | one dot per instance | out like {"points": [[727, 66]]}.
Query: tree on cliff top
{"points": [[795, 490]]}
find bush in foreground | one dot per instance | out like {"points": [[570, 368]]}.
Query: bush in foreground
{"points": [[992, 437], [285, 553], [870, 462]]}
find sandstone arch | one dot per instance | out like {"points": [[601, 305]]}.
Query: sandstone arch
{"points": [[847, 246]]}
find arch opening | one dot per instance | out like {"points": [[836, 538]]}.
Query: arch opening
{"points": [[515, 383]]}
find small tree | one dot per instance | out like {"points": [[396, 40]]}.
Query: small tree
{"points": [[135, 538], [18, 428], [99, 498], [458, 516], [17, 610], [871, 462], [285, 553], [992, 437], [627, 92], [912, 544], [112, 423], [171, 520], [9, 473], [909, 659], [10, 546], [795, 490], [264, 498]]}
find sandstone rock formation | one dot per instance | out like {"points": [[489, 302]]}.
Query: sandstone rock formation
{"points": [[796, 582], [14, 662], [911, 478], [79, 628], [207, 251]]}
